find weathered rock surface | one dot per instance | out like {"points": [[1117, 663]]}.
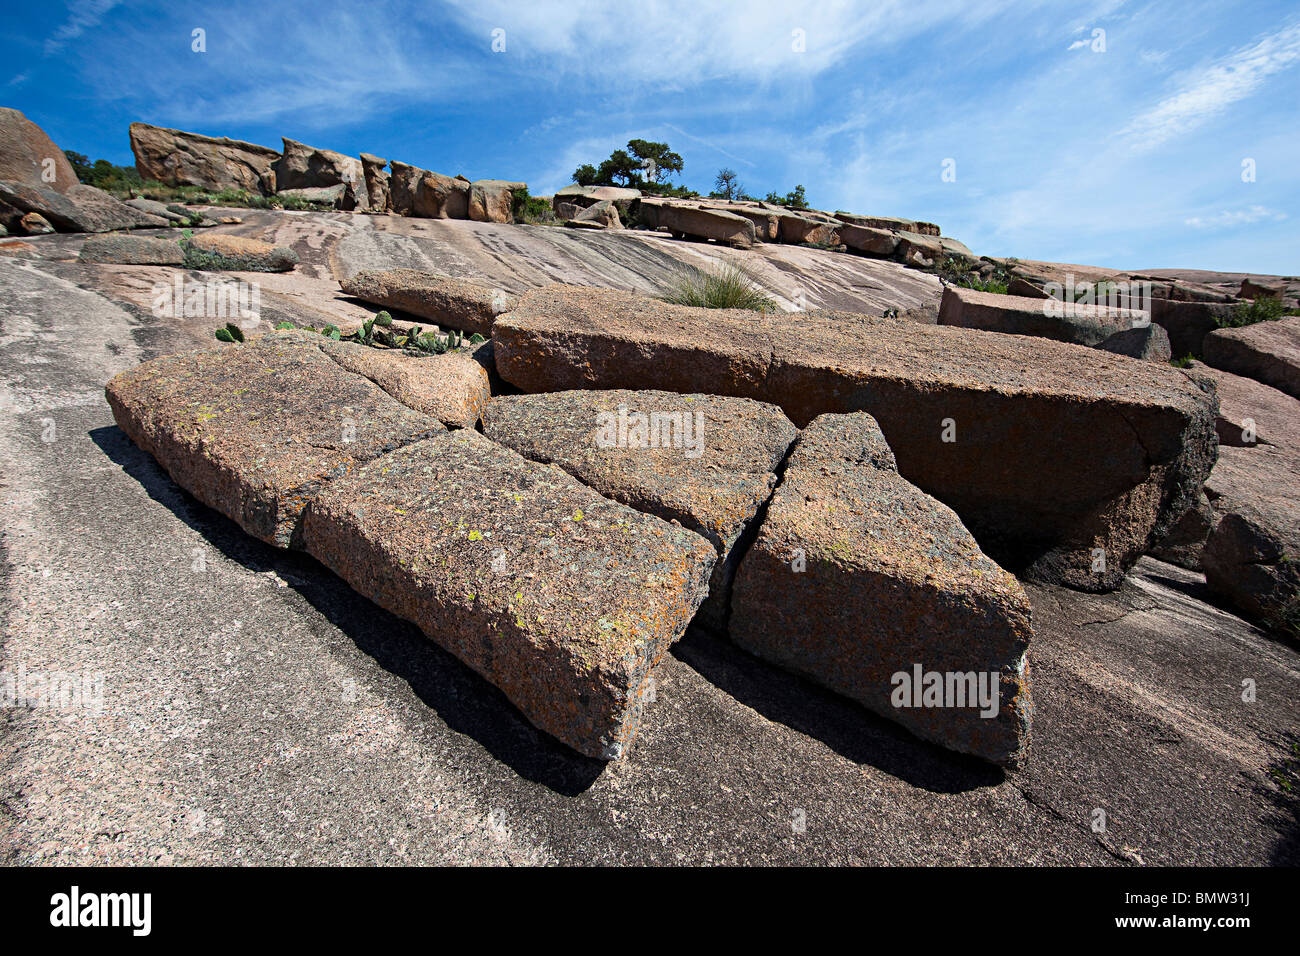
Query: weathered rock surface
{"points": [[1182, 544], [305, 167], [1054, 451], [603, 213], [583, 196], [1047, 318], [862, 582], [132, 250], [1150, 342], [1251, 412], [34, 224], [336, 196], [702, 223], [1252, 556], [1188, 322], [795, 229], [373, 168], [561, 598], [451, 303], [219, 251], [890, 223], [30, 157], [152, 207], [452, 388], [492, 200], [872, 241], [703, 461], [419, 192], [1268, 352], [255, 430], [79, 208], [176, 158]]}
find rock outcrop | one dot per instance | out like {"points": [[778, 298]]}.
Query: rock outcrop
{"points": [[30, 157], [1268, 352], [492, 200], [862, 582], [218, 251], [132, 250], [419, 192], [79, 208], [305, 167], [176, 158], [682, 219], [1062, 462]]}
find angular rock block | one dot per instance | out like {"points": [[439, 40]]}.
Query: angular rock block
{"points": [[561, 598], [874, 242], [1188, 322], [450, 303], [702, 223], [303, 167], [255, 430], [28, 156], [1268, 352], [1252, 413], [452, 388], [1060, 460], [237, 254], [704, 461], [1252, 555], [1149, 342], [492, 200], [866, 585], [177, 158], [419, 192], [797, 229], [132, 250], [1046, 318]]}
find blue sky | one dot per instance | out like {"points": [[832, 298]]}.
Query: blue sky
{"points": [[1126, 152]]}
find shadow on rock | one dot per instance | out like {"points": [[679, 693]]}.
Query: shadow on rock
{"points": [[847, 728], [464, 701]]}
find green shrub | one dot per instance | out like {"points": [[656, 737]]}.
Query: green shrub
{"points": [[1184, 362], [957, 270], [1264, 309], [727, 287], [530, 209]]}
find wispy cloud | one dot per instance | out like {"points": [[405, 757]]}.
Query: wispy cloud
{"points": [[82, 16], [1237, 217], [1207, 92]]}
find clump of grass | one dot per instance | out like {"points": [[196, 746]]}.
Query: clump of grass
{"points": [[1264, 309], [1184, 362], [727, 287]]}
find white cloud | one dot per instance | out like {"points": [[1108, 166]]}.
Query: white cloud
{"points": [[1209, 91], [81, 17], [1239, 217]]}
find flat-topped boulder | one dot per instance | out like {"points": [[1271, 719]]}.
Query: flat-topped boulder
{"points": [[881, 243], [890, 223], [448, 302], [177, 158], [561, 598], [702, 223], [793, 228], [453, 388], [1060, 460], [224, 252], [590, 195], [1149, 342], [132, 250], [1268, 352], [704, 461], [865, 584], [254, 430], [1047, 318], [1188, 322]]}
